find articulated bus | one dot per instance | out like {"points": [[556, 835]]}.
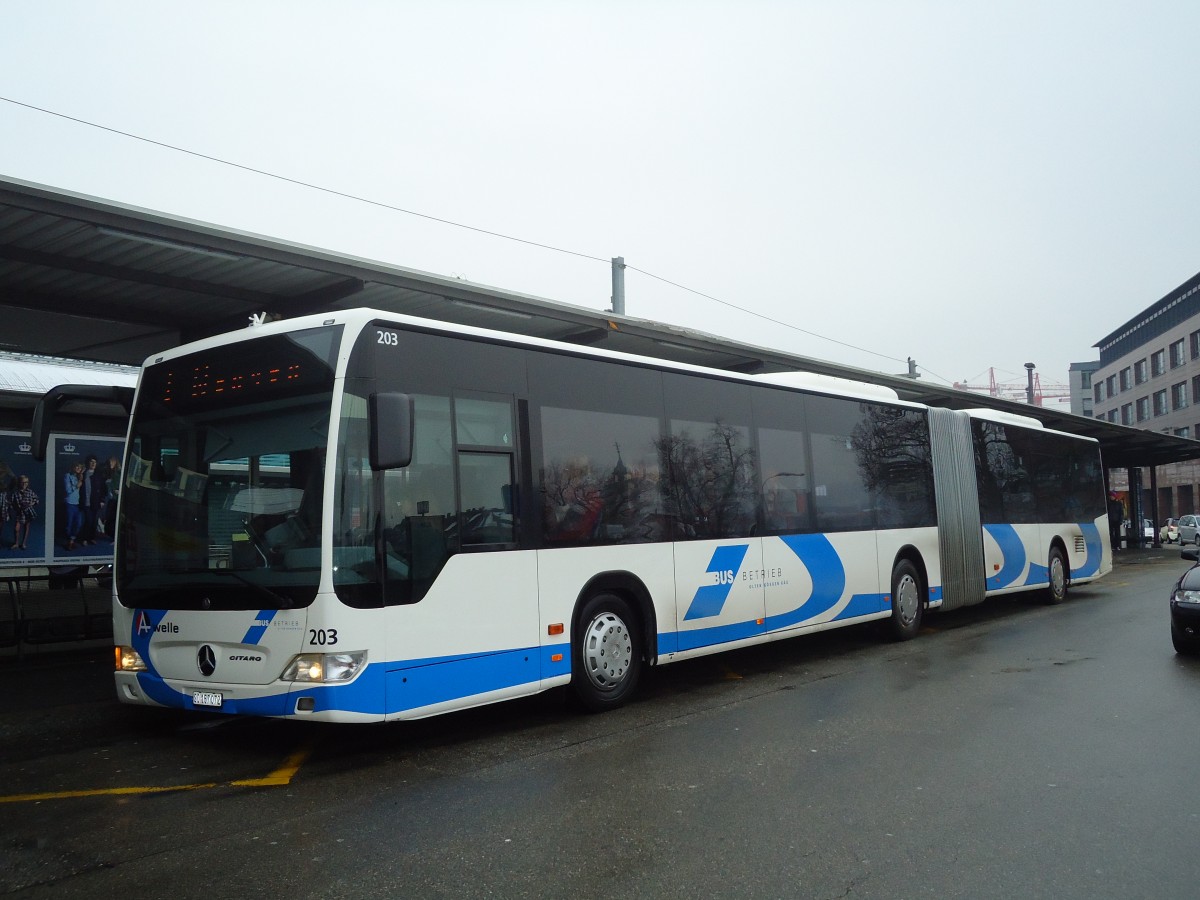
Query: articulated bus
{"points": [[361, 516]]}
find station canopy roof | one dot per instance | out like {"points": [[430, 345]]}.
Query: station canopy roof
{"points": [[89, 279]]}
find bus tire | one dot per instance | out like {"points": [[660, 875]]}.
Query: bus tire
{"points": [[908, 601], [1056, 568], [607, 653]]}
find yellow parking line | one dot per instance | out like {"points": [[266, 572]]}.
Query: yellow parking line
{"points": [[101, 792], [281, 776]]}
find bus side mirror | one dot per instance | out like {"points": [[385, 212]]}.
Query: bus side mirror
{"points": [[391, 420]]}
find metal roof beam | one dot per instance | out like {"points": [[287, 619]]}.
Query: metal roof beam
{"points": [[134, 276], [88, 309]]}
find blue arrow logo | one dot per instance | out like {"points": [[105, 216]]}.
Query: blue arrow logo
{"points": [[724, 566]]}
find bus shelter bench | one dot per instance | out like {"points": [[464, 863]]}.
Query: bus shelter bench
{"points": [[59, 614]]}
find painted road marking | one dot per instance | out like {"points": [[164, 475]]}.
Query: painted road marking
{"points": [[281, 776]]}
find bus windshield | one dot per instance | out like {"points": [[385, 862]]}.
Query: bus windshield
{"points": [[221, 499]]}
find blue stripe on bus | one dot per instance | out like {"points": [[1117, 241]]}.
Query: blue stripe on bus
{"points": [[1012, 556], [1038, 574], [827, 572], [160, 692], [717, 634], [863, 605], [418, 684], [1095, 550]]}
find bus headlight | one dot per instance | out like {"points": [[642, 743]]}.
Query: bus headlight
{"points": [[126, 659], [323, 668]]}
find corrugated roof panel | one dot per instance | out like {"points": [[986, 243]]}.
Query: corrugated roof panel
{"points": [[20, 374]]}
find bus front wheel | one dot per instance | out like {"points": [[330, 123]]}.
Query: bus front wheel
{"points": [[908, 601], [607, 654]]}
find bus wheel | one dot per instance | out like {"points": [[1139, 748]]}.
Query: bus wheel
{"points": [[1057, 567], [607, 659], [908, 602]]}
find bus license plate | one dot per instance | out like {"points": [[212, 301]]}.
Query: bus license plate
{"points": [[206, 698]]}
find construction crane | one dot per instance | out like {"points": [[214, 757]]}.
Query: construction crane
{"points": [[1016, 391]]}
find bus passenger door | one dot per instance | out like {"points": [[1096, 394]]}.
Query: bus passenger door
{"points": [[719, 591], [461, 594]]}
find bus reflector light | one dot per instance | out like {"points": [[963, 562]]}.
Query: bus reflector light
{"points": [[126, 659], [556, 628], [324, 668], [557, 657]]}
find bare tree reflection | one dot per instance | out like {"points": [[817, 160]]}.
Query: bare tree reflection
{"points": [[891, 447], [709, 482]]}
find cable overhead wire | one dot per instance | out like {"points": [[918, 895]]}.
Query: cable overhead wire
{"points": [[296, 181], [378, 203]]}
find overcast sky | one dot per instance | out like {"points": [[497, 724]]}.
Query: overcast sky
{"points": [[970, 184]]}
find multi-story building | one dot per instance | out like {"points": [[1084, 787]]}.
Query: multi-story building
{"points": [[1149, 377], [1082, 402]]}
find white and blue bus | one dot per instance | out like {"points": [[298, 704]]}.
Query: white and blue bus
{"points": [[359, 516]]}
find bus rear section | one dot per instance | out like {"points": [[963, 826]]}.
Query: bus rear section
{"points": [[1020, 507]]}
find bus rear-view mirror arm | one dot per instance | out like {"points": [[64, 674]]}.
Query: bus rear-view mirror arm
{"points": [[56, 398], [391, 432]]}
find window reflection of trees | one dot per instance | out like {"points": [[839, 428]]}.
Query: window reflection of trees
{"points": [[1003, 467], [709, 481], [891, 446], [1035, 477], [692, 485], [600, 477]]}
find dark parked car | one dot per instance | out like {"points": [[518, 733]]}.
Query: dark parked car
{"points": [[1185, 608]]}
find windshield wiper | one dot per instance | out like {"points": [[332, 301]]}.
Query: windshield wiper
{"points": [[281, 601]]}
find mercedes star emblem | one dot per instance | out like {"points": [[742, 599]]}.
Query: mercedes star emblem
{"points": [[206, 660]]}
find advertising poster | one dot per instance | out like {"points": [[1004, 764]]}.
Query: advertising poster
{"points": [[81, 501], [22, 502]]}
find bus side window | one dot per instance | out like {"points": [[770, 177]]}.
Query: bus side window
{"points": [[418, 505]]}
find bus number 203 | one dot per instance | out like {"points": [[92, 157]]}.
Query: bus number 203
{"points": [[323, 637]]}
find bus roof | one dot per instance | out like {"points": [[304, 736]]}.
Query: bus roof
{"points": [[357, 318]]}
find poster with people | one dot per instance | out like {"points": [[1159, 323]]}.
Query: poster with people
{"points": [[22, 502], [85, 481]]}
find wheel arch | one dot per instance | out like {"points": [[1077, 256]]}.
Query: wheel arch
{"points": [[633, 591]]}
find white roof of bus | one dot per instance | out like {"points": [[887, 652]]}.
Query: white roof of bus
{"points": [[829, 384], [1007, 418], [810, 381], [994, 415]]}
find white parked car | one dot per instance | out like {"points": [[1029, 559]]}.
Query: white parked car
{"points": [[1169, 533]]}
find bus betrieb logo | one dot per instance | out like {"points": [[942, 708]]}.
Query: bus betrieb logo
{"points": [[710, 598]]}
